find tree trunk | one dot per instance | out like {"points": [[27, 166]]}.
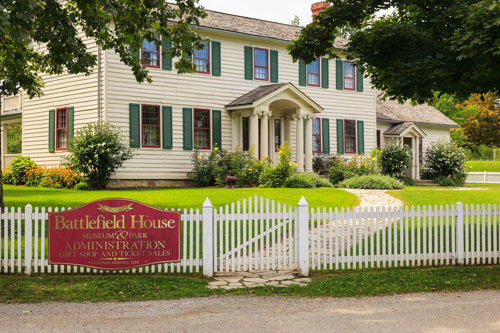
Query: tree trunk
{"points": [[2, 204]]}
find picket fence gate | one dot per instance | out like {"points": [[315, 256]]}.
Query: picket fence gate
{"points": [[261, 234]]}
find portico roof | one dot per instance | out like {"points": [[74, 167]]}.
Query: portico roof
{"points": [[402, 129], [265, 93]]}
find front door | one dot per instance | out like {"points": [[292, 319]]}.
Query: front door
{"points": [[408, 142], [276, 140]]}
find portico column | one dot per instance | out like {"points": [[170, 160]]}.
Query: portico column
{"points": [[413, 162], [264, 136], [308, 143], [254, 132], [417, 163], [272, 142], [300, 144], [235, 127], [288, 130], [4, 144]]}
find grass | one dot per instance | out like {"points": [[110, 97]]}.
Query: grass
{"points": [[116, 288], [481, 166], [176, 198], [417, 195]]}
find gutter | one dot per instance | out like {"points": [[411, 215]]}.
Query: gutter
{"points": [[416, 122], [11, 113]]}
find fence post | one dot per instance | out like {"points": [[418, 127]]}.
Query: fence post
{"points": [[303, 237], [28, 239], [484, 178], [460, 233], [208, 240]]}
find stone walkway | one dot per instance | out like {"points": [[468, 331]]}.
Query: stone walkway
{"points": [[278, 278], [375, 198]]}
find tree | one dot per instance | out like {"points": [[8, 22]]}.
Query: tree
{"points": [[14, 144], [422, 47], [482, 120], [447, 104], [41, 36], [296, 21]]}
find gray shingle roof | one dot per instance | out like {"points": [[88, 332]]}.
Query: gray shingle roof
{"points": [[398, 129], [392, 110], [256, 94]]}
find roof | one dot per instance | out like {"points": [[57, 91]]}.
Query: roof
{"points": [[255, 27], [421, 114], [256, 94], [398, 129]]}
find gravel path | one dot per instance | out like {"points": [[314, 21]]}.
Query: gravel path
{"points": [[375, 198], [451, 312]]}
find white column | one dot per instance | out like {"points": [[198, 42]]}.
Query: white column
{"points": [[264, 136], [417, 164], [308, 143], [235, 129], [413, 162], [272, 142], [300, 144], [288, 129], [254, 133], [4, 144]]}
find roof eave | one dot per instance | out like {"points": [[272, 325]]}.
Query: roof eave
{"points": [[416, 122]]}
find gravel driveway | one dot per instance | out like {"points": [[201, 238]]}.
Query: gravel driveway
{"points": [[452, 312]]}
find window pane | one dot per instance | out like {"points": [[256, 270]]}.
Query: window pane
{"points": [[61, 129], [201, 65], [313, 79], [149, 46], [260, 58], [203, 54], [246, 142], [348, 69], [313, 67], [261, 73], [316, 131], [349, 83], [150, 58], [202, 128], [151, 125], [350, 136], [277, 133]]}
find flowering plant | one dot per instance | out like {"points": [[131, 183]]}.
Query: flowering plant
{"points": [[444, 159], [395, 159]]}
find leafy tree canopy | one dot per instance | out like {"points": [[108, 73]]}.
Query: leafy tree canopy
{"points": [[41, 36], [423, 46]]}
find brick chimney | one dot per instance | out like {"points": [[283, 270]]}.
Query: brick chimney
{"points": [[319, 7]]}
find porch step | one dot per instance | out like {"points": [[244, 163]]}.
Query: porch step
{"points": [[421, 182]]}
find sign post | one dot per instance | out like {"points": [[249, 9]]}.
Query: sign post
{"points": [[114, 234]]}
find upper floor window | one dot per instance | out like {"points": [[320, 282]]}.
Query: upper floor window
{"points": [[350, 136], [202, 59], [150, 54], [202, 129], [316, 132], [313, 73], [349, 78], [261, 64], [151, 126], [62, 129]]}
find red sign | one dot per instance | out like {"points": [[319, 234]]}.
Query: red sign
{"points": [[114, 234]]}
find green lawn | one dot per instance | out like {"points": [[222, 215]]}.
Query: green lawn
{"points": [[115, 288], [480, 166], [477, 194], [176, 198]]}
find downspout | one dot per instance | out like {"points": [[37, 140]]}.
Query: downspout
{"points": [[98, 82]]}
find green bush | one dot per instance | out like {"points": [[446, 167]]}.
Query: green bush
{"points": [[16, 171], [395, 159], [306, 180], [376, 182], [323, 162], [98, 150], [444, 159], [357, 165], [407, 181], [82, 186], [275, 176]]}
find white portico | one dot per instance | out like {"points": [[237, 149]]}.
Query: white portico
{"points": [[271, 115]]}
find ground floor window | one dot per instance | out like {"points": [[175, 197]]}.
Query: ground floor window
{"points": [[378, 139], [202, 129], [246, 133], [151, 126], [350, 136], [316, 132], [62, 129]]}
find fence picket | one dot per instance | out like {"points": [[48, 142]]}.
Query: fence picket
{"points": [[478, 234], [447, 236], [489, 257], [318, 237], [418, 214], [495, 239], [483, 229]]}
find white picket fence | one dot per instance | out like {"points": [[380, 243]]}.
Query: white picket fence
{"points": [[261, 234], [483, 177]]}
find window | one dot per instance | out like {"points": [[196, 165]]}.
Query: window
{"points": [[378, 139], [349, 71], [277, 133], [62, 129], [261, 64], [313, 73], [246, 133], [316, 132], [151, 126], [420, 150], [202, 59], [350, 136], [202, 129], [150, 54]]}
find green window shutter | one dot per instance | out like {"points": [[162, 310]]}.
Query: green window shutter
{"points": [[339, 72], [325, 79], [361, 137], [274, 66], [167, 127], [248, 62], [340, 136], [359, 80], [187, 125], [166, 44], [135, 125], [135, 53], [70, 123], [325, 122], [217, 128], [302, 73], [52, 130], [216, 61]]}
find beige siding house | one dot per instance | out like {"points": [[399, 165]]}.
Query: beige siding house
{"points": [[247, 92]]}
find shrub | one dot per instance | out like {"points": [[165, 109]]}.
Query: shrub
{"points": [[306, 180], [376, 182], [444, 159], [407, 181], [395, 159], [6, 176], [60, 177], [358, 165], [275, 176], [82, 186], [34, 175], [202, 173], [16, 171], [249, 173], [323, 162]]}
